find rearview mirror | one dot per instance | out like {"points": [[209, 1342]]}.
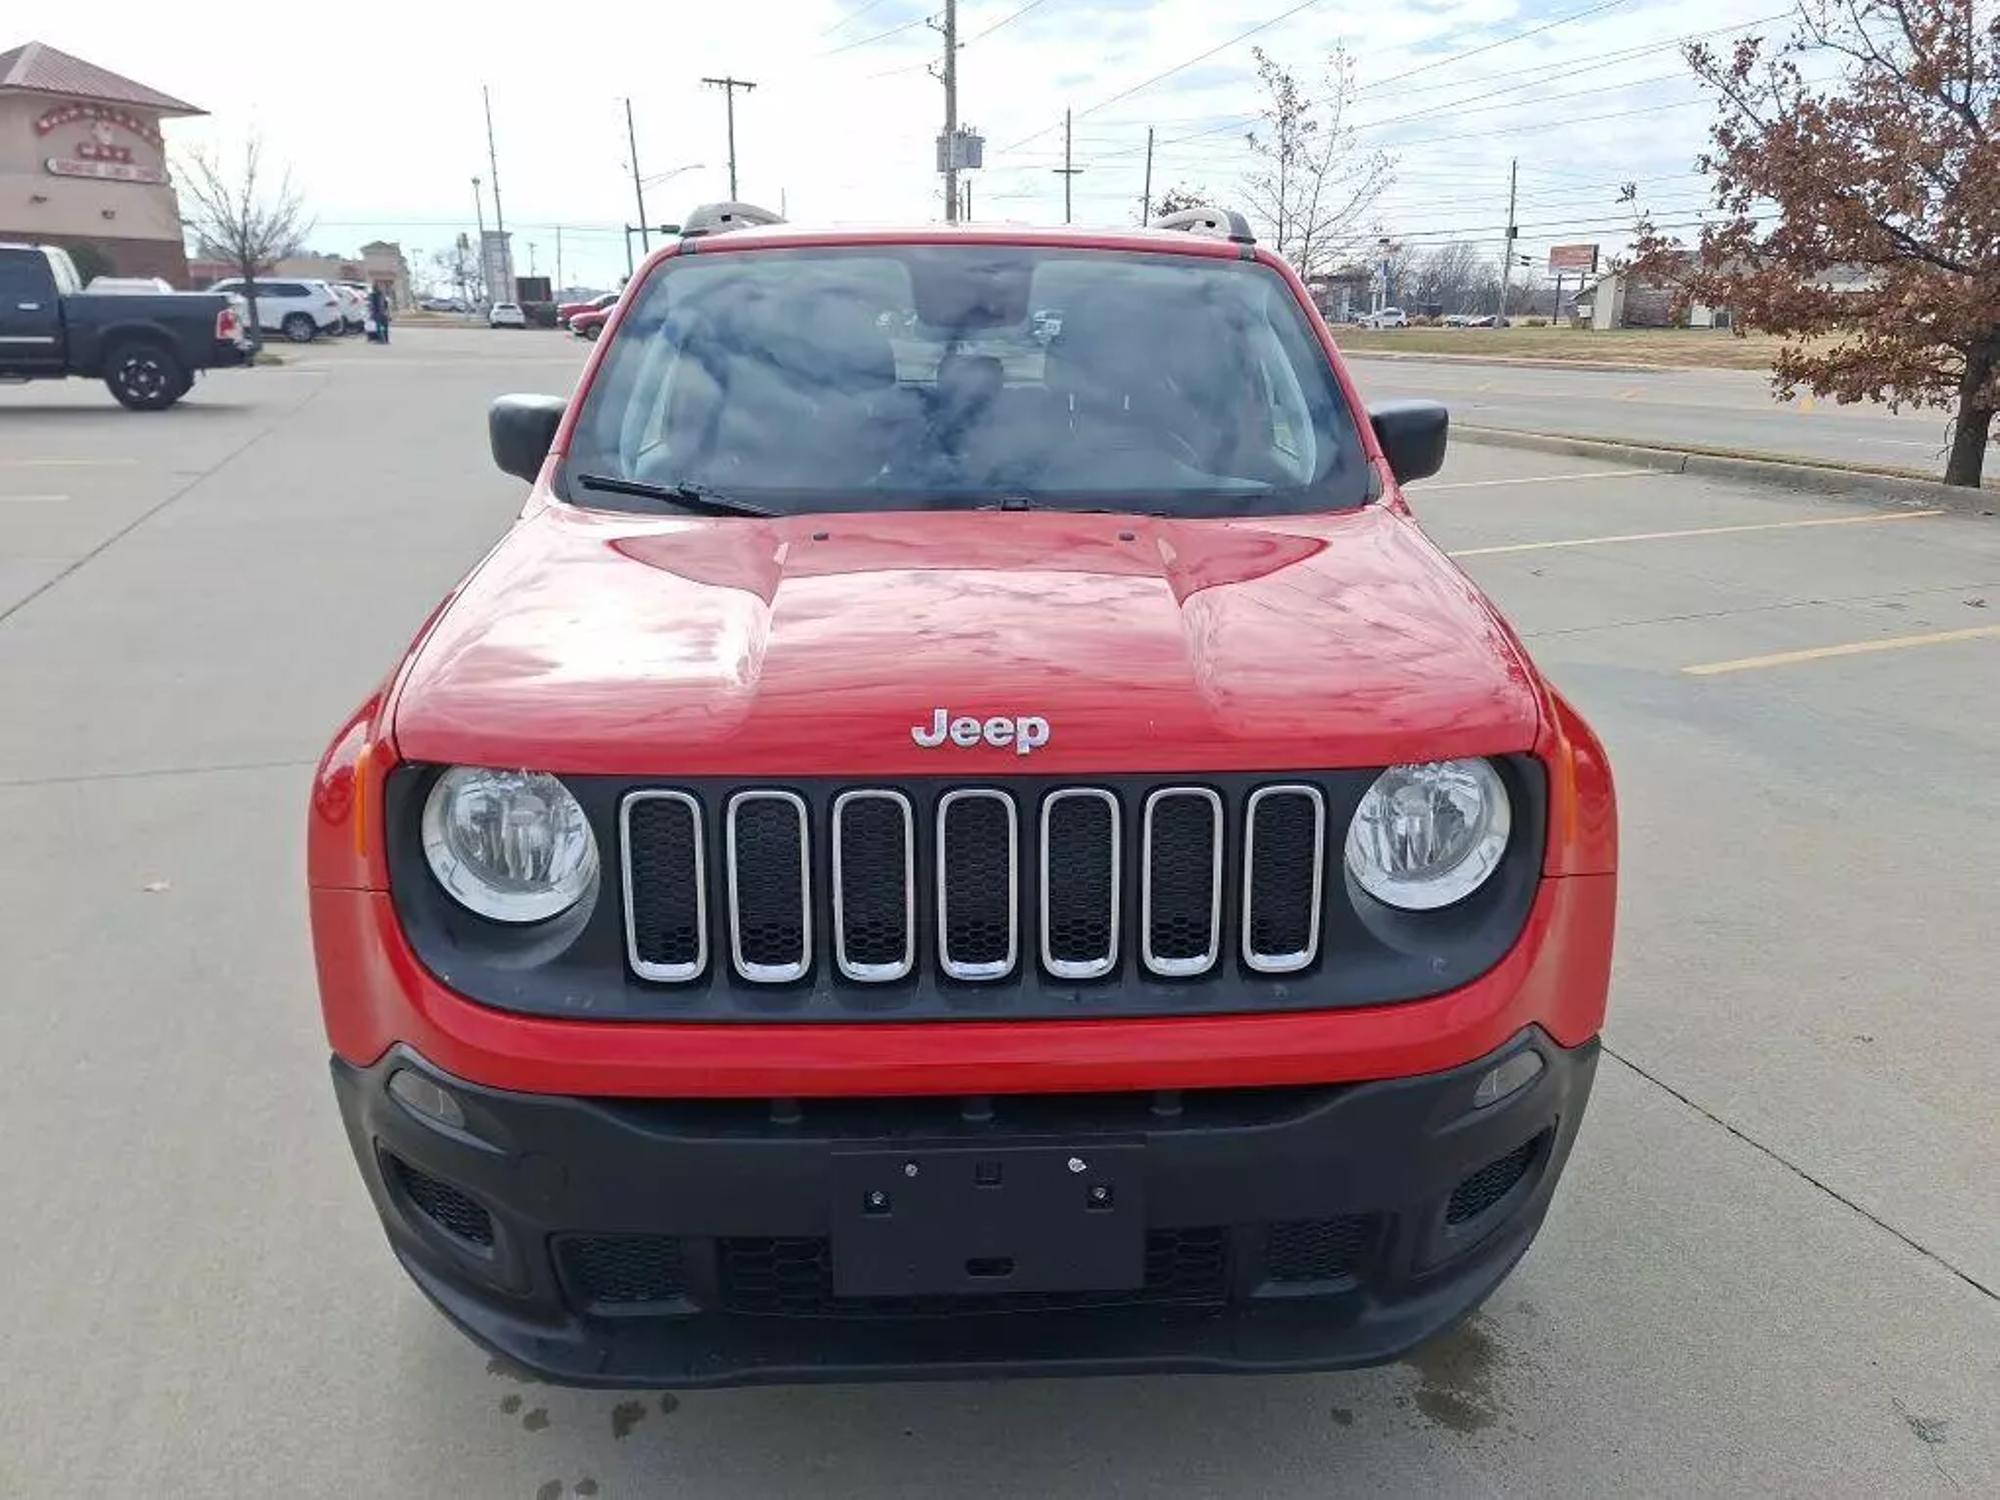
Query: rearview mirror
{"points": [[1412, 435], [521, 428]]}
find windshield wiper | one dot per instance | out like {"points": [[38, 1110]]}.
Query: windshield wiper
{"points": [[1028, 502], [696, 497]]}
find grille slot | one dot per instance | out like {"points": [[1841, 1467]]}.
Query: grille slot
{"points": [[1284, 841], [1299, 1250], [1080, 859], [1182, 881], [452, 1209], [874, 886], [770, 886], [621, 1272], [666, 900], [1492, 1182], [793, 1278], [978, 884]]}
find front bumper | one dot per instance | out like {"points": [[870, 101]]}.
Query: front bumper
{"points": [[681, 1243]]}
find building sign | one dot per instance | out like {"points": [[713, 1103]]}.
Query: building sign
{"points": [[102, 114], [104, 171], [1573, 258]]}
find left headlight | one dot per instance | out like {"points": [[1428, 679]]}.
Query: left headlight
{"points": [[513, 846], [1427, 835]]}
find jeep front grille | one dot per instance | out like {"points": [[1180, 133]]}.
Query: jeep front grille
{"points": [[1078, 877]]}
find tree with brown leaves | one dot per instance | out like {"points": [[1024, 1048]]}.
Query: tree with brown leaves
{"points": [[1862, 210]]}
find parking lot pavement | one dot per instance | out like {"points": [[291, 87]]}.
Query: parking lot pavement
{"points": [[1772, 1267], [1704, 408]]}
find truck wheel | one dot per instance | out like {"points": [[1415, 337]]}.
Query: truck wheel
{"points": [[145, 377], [299, 328]]}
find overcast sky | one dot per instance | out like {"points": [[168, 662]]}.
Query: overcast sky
{"points": [[384, 133]]}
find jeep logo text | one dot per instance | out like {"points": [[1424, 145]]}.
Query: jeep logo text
{"points": [[1025, 732]]}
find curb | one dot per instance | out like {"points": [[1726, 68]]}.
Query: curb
{"points": [[1826, 479], [1525, 362]]}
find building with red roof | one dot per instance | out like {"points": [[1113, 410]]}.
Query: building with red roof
{"points": [[83, 165]]}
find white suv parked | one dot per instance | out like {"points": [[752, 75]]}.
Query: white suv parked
{"points": [[300, 310], [1388, 317]]}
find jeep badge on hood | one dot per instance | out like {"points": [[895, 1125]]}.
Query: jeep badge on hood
{"points": [[1025, 732]]}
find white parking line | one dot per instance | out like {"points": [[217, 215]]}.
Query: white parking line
{"points": [[1661, 536], [32, 499], [1473, 484]]}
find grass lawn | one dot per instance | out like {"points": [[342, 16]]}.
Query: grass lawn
{"points": [[1647, 346]]}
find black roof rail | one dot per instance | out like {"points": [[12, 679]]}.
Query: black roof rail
{"points": [[719, 218], [1223, 223]]}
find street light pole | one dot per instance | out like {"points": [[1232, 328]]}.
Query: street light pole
{"points": [[479, 212]]}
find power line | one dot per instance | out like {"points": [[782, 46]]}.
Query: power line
{"points": [[1180, 67], [1007, 21], [879, 36], [1505, 41], [853, 15]]}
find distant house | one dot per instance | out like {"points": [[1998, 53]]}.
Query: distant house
{"points": [[379, 265], [1619, 299]]}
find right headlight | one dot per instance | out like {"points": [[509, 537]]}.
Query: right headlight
{"points": [[1427, 835], [513, 846]]}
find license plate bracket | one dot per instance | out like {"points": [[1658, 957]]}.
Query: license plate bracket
{"points": [[971, 1220]]}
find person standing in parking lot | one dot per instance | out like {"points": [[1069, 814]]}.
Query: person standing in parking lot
{"points": [[378, 313]]}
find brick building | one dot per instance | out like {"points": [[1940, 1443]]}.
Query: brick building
{"points": [[82, 164]]}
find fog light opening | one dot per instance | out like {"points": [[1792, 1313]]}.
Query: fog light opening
{"points": [[1511, 1076], [420, 1096]]}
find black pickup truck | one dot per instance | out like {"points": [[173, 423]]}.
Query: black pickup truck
{"points": [[146, 349]]}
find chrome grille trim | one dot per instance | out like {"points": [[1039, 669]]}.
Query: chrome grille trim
{"points": [[1074, 968], [1179, 968], [1282, 963], [771, 973], [979, 971], [666, 973], [877, 973]]}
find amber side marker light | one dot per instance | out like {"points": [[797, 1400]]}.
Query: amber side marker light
{"points": [[419, 1095], [1510, 1077]]}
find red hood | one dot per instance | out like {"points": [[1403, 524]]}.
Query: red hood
{"points": [[597, 642]]}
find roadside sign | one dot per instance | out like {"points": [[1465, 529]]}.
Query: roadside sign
{"points": [[1573, 258]]}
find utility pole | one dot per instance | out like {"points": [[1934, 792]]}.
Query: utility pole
{"points": [[1146, 198], [632, 147], [559, 274], [493, 159], [1066, 171], [1507, 253], [951, 111], [531, 257], [729, 86], [479, 211]]}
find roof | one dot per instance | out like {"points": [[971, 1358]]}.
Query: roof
{"points": [[36, 67]]}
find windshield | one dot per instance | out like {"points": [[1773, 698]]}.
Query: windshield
{"points": [[904, 377]]}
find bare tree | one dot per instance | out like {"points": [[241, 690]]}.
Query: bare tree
{"points": [[1452, 276], [1179, 196], [237, 214], [1314, 186]]}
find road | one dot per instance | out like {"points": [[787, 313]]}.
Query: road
{"points": [[1706, 408], [1771, 1268]]}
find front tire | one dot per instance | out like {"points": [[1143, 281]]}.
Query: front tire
{"points": [[593, 331], [299, 328], [143, 376]]}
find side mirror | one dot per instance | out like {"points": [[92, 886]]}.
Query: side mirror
{"points": [[1411, 433], [521, 428]]}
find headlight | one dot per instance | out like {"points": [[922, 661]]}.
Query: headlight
{"points": [[510, 845], [1427, 835]]}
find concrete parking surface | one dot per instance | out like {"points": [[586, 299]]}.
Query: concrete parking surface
{"points": [[1730, 409], [1772, 1267]]}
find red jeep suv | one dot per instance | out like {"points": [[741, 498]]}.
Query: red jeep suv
{"points": [[964, 829]]}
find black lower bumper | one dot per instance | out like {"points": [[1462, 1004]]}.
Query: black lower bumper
{"points": [[679, 1243]]}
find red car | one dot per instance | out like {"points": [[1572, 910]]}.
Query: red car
{"points": [[589, 323], [567, 310], [934, 850]]}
